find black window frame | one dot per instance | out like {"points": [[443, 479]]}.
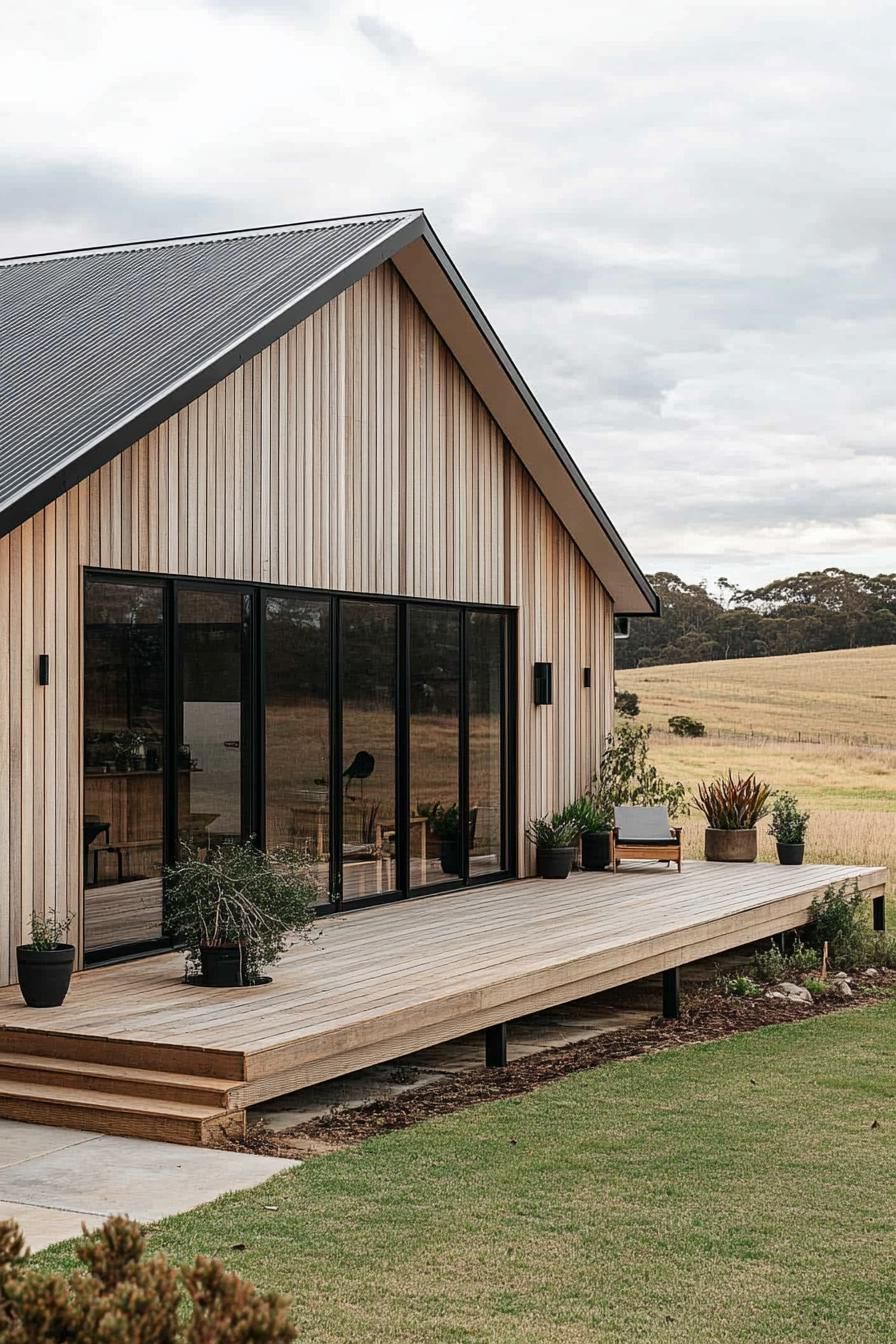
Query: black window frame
{"points": [[253, 802]]}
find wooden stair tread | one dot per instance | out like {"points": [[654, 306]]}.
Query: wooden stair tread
{"points": [[113, 1072], [106, 1101]]}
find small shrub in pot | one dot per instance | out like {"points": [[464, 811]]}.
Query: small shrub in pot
{"points": [[593, 815], [235, 908], [554, 838], [45, 964], [788, 827], [732, 807]]}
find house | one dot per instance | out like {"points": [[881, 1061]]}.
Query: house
{"points": [[286, 543]]}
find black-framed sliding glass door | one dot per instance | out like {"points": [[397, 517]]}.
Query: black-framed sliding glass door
{"points": [[212, 639], [124, 751], [372, 734], [296, 663]]}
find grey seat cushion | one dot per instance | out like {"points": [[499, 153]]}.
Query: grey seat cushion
{"points": [[643, 825]]}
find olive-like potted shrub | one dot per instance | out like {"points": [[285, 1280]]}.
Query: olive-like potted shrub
{"points": [[45, 964], [626, 777], [788, 827], [235, 908], [732, 807], [555, 839]]}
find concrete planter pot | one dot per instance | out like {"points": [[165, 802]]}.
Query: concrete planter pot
{"points": [[555, 863], [730, 846], [44, 977]]}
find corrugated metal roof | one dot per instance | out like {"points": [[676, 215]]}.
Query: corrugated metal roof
{"points": [[90, 339]]}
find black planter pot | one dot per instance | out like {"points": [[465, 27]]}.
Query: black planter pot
{"points": [[595, 850], [44, 977], [450, 856], [790, 854], [554, 862], [222, 967]]}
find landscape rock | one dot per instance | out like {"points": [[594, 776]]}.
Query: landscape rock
{"points": [[872, 971], [842, 988], [775, 994], [794, 993], [841, 975]]}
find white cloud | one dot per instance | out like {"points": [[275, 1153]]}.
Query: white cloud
{"points": [[678, 216]]}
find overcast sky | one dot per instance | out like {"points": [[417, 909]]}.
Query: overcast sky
{"points": [[681, 218]]}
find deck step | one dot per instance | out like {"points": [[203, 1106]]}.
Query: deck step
{"points": [[116, 1113], [162, 1058], [116, 1078]]}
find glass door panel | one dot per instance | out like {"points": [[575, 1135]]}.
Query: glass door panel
{"points": [[297, 727], [434, 739], [485, 736], [124, 660], [370, 836], [211, 644]]}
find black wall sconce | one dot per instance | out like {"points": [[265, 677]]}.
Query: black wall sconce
{"points": [[43, 669], [544, 688], [586, 676]]}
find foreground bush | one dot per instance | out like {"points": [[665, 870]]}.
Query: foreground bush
{"points": [[124, 1299]]}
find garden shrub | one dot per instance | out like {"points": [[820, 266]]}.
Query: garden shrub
{"points": [[126, 1299], [773, 963], [627, 704], [737, 986], [682, 725]]}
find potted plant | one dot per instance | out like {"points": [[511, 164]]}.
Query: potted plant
{"points": [[554, 838], [626, 777], [444, 823], [593, 815], [235, 909], [45, 964], [732, 807], [788, 826]]}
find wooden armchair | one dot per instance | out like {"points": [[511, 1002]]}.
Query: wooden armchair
{"points": [[644, 833]]}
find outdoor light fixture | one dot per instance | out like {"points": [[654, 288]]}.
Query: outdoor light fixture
{"points": [[586, 676], [544, 690], [43, 669]]}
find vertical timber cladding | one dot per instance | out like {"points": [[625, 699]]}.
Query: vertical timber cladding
{"points": [[351, 454]]}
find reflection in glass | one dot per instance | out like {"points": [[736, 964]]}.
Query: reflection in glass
{"points": [[484, 649], [210, 748], [297, 726], [369, 634], [123, 744], [434, 695]]}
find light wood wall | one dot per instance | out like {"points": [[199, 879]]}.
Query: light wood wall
{"points": [[351, 454]]}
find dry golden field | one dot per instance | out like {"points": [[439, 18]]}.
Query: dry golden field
{"points": [[822, 725]]}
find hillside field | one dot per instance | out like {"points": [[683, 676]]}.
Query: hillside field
{"points": [[822, 725]]}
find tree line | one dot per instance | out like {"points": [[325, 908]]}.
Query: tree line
{"points": [[807, 613]]}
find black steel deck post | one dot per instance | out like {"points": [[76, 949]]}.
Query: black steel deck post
{"points": [[879, 914], [496, 1046], [672, 992]]}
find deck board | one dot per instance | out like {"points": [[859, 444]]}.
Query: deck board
{"points": [[380, 982]]}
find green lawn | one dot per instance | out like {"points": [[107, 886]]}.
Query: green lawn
{"points": [[732, 1192]]}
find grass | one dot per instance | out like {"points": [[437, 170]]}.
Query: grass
{"points": [[761, 714], [846, 696], [738, 1191]]}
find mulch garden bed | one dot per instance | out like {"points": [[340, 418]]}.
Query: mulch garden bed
{"points": [[705, 1016]]}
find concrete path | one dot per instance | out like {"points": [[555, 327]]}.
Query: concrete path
{"points": [[53, 1180]]}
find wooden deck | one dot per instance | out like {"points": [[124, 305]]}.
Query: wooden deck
{"points": [[135, 1050]]}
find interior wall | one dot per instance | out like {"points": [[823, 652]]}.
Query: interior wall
{"points": [[351, 454]]}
